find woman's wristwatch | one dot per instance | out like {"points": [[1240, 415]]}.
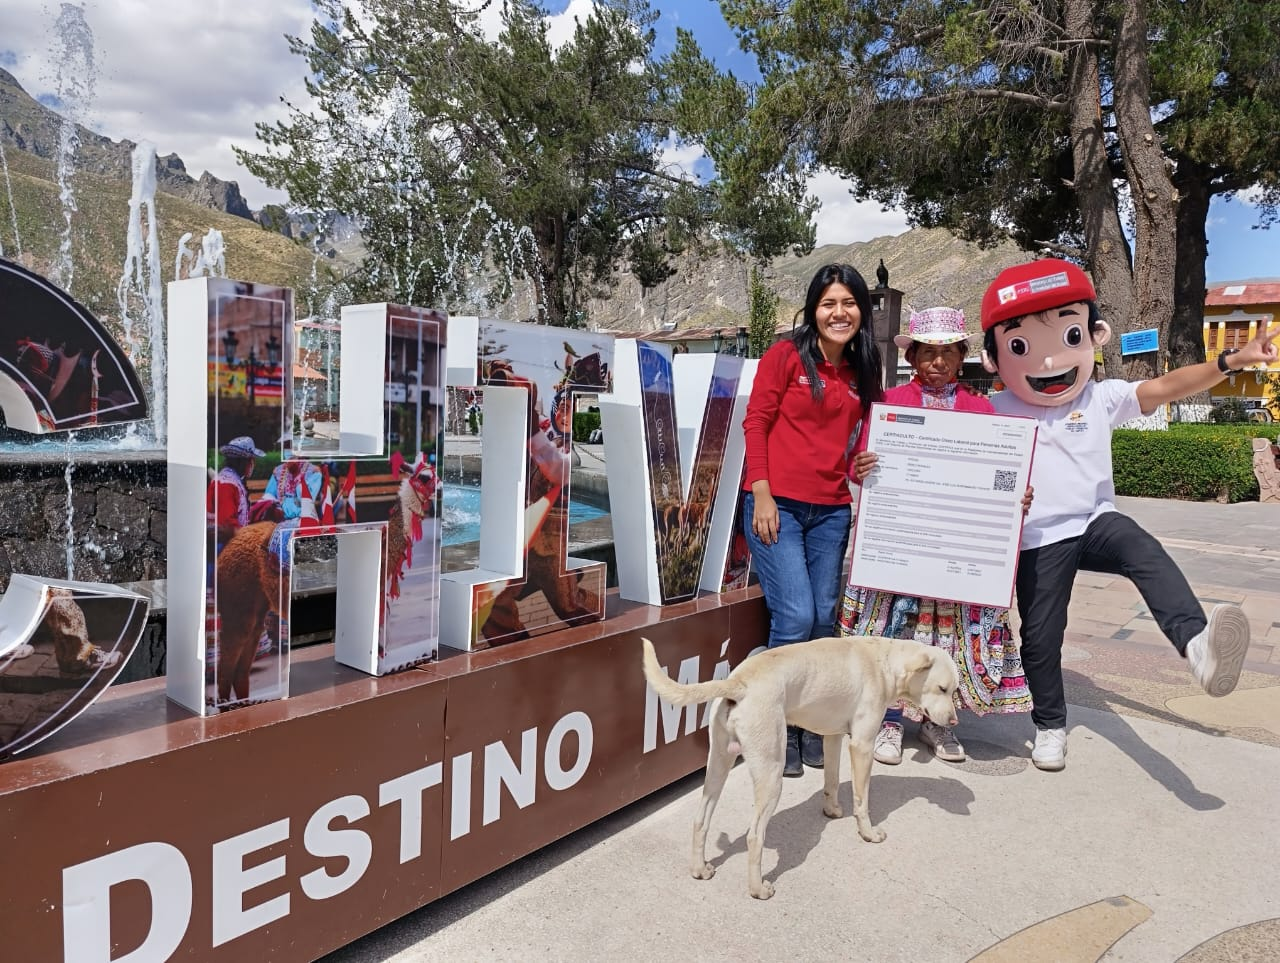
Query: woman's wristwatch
{"points": [[1222, 361]]}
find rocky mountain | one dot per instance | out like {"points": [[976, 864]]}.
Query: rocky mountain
{"points": [[930, 267], [29, 126]]}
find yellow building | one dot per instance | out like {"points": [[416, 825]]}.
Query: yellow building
{"points": [[1232, 313]]}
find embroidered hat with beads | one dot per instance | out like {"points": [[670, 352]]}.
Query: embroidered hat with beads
{"points": [[242, 447], [933, 326], [1033, 287]]}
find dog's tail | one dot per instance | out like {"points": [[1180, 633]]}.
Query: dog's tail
{"points": [[679, 694]]}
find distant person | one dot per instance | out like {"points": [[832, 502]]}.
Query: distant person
{"points": [[810, 392], [977, 637], [293, 490]]}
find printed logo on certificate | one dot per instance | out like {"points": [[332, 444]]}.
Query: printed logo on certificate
{"points": [[941, 516]]}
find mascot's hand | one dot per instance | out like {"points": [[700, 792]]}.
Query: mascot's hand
{"points": [[1261, 349]]}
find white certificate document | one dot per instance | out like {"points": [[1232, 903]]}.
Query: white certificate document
{"points": [[941, 515]]}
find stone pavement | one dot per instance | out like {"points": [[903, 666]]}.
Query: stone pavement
{"points": [[1159, 842]]}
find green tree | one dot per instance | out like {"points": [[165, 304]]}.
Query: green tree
{"points": [[1011, 119], [468, 163], [762, 314]]}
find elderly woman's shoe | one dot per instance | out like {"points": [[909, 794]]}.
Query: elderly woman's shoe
{"points": [[942, 741]]}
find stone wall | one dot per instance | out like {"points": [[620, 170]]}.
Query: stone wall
{"points": [[117, 520]]}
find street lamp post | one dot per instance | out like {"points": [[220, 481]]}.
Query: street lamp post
{"points": [[229, 344], [738, 347]]}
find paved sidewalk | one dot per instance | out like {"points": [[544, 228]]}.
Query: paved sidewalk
{"points": [[1159, 842]]}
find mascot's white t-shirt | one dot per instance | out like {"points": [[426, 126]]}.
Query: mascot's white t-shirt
{"points": [[1071, 470]]}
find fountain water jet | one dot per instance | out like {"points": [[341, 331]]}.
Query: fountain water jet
{"points": [[13, 211], [76, 77], [140, 281]]}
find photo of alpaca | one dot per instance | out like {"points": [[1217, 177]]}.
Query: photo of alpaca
{"points": [[250, 580], [78, 639], [414, 502]]}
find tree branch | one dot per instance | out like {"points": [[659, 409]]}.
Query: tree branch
{"points": [[1066, 250], [1054, 105]]}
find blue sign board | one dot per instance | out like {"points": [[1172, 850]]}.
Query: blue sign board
{"points": [[1136, 342]]}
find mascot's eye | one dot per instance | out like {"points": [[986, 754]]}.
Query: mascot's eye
{"points": [[1073, 336], [1018, 346]]}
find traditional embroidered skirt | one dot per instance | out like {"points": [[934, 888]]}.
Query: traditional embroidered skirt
{"points": [[977, 636]]}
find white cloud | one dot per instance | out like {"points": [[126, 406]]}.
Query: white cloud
{"points": [[192, 79], [842, 220], [1251, 196], [560, 26], [683, 158], [490, 17]]}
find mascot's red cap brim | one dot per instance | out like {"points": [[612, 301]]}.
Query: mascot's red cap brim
{"points": [[1033, 287]]}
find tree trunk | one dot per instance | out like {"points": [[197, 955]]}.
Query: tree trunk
{"points": [[551, 272], [1155, 202], [1107, 250], [1186, 330]]}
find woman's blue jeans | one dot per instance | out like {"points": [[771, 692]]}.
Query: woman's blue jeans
{"points": [[800, 573]]}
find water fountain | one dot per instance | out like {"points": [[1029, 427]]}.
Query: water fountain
{"points": [[73, 56], [89, 504], [92, 504], [13, 210]]}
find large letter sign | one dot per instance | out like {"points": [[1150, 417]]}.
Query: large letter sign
{"points": [[61, 642], [232, 546], [393, 381], [675, 497], [525, 581]]}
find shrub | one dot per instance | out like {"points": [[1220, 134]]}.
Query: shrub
{"points": [[584, 423], [1229, 411], [1189, 461]]}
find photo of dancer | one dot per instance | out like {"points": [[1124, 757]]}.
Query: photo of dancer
{"points": [[59, 368]]}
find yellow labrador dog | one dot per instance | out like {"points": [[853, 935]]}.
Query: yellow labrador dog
{"points": [[834, 687]]}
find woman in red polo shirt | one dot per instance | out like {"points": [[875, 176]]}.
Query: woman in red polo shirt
{"points": [[809, 394]]}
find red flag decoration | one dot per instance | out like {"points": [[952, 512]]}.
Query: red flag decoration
{"points": [[347, 494], [326, 506], [308, 520]]}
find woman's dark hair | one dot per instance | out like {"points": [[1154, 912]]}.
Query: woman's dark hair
{"points": [[237, 463], [989, 336], [862, 352]]}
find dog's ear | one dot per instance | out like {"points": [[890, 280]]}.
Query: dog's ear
{"points": [[921, 661]]}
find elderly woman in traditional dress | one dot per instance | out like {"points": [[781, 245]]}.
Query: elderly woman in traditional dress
{"points": [[977, 636]]}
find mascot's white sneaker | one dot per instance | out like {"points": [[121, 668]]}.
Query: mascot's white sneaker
{"points": [[1050, 751], [1217, 653]]}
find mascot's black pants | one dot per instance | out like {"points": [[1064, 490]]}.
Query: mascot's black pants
{"points": [[1114, 544]]}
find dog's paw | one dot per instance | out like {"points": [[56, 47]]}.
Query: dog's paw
{"points": [[705, 871], [832, 810], [872, 834], [763, 891]]}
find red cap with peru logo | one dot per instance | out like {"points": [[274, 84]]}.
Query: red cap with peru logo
{"points": [[1033, 287]]}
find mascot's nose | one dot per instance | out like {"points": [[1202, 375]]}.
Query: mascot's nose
{"points": [[1048, 363]]}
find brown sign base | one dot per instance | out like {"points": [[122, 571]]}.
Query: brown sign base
{"points": [[288, 829]]}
